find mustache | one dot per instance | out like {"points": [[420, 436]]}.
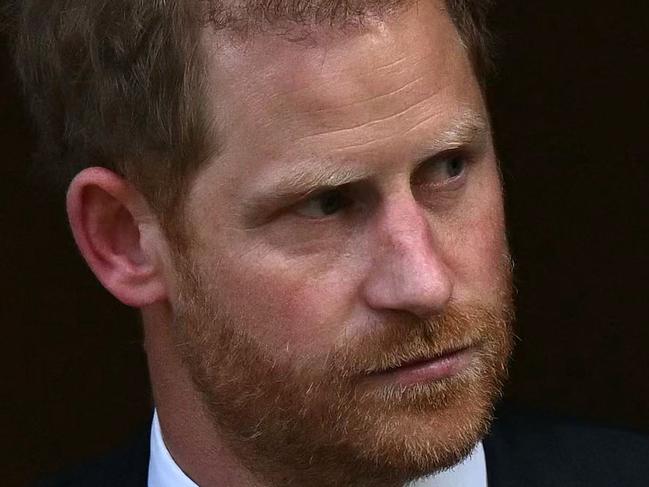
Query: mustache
{"points": [[409, 340]]}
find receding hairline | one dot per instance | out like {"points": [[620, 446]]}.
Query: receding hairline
{"points": [[299, 20], [120, 84]]}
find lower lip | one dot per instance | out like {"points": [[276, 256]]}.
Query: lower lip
{"points": [[443, 367]]}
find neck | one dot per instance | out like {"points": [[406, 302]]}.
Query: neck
{"points": [[192, 438], [188, 432]]}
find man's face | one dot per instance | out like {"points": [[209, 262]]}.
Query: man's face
{"points": [[348, 235]]}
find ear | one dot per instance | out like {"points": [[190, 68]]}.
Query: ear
{"points": [[118, 236]]}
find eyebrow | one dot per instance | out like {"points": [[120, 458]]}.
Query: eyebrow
{"points": [[470, 129], [310, 176]]}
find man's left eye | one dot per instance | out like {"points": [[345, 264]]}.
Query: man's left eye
{"points": [[441, 171]]}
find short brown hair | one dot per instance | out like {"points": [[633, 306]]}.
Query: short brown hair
{"points": [[117, 83]]}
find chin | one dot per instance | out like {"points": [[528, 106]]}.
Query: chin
{"points": [[431, 429]]}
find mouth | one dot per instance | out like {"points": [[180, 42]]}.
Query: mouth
{"points": [[432, 369]]}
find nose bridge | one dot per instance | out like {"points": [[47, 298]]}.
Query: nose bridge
{"points": [[409, 273], [405, 228]]}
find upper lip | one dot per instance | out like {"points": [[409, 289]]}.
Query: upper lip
{"points": [[424, 359]]}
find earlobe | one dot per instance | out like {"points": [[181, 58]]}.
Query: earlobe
{"points": [[117, 235]]}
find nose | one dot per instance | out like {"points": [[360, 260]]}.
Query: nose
{"points": [[408, 272]]}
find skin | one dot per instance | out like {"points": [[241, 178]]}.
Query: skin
{"points": [[372, 105], [366, 126]]}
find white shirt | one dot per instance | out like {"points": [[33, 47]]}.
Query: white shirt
{"points": [[164, 472]]}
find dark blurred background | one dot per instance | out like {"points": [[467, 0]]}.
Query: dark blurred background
{"points": [[571, 111]]}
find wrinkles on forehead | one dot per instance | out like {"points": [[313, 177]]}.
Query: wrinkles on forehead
{"points": [[323, 90], [368, 106]]}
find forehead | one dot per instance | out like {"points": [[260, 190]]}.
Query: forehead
{"points": [[373, 90]]}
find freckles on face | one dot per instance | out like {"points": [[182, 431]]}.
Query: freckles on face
{"points": [[317, 141]]}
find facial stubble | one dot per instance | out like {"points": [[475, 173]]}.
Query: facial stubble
{"points": [[321, 422]]}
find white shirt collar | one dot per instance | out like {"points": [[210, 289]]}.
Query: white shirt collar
{"points": [[164, 472]]}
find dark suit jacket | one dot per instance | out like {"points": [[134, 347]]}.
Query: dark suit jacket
{"points": [[521, 451]]}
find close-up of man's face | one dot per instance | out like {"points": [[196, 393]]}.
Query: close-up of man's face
{"points": [[343, 288], [301, 255]]}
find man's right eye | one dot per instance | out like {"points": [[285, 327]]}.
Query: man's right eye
{"points": [[323, 205]]}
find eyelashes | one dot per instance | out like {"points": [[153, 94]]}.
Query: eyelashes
{"points": [[324, 204]]}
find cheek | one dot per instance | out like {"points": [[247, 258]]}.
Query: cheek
{"points": [[290, 305], [478, 250]]}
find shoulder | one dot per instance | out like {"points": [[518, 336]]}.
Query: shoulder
{"points": [[538, 450], [127, 466]]}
